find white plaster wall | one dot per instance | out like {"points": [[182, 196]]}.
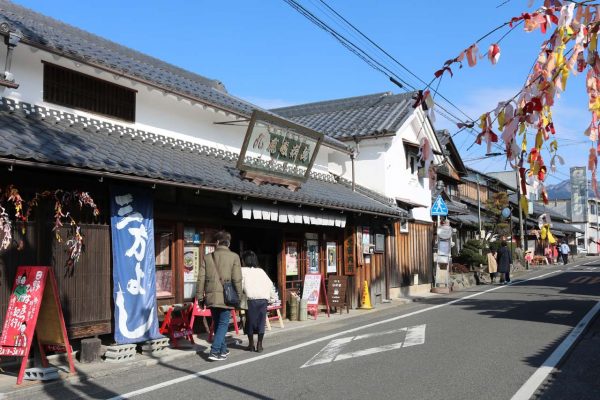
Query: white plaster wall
{"points": [[156, 111], [381, 166], [369, 165]]}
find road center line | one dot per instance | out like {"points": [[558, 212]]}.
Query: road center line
{"points": [[539, 376], [311, 342]]}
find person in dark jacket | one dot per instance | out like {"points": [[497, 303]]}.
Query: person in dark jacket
{"points": [[504, 261], [222, 265]]}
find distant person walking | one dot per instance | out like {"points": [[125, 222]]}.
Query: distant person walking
{"points": [[564, 252], [257, 288], [221, 266], [492, 265], [504, 261]]}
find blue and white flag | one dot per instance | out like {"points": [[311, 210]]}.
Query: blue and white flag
{"points": [[134, 292]]}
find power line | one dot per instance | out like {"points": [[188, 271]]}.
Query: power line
{"points": [[353, 47]]}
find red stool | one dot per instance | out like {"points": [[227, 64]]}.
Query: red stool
{"points": [[205, 312]]}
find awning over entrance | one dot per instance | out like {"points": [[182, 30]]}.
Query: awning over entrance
{"points": [[291, 215], [40, 137]]}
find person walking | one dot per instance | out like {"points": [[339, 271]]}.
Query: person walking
{"points": [[564, 252], [257, 288], [492, 265], [504, 261], [222, 265]]}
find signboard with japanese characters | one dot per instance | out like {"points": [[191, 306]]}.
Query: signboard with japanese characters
{"points": [[349, 251], [134, 282], [336, 289], [275, 147], [33, 307]]}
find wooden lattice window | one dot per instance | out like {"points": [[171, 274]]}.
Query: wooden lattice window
{"points": [[73, 89]]}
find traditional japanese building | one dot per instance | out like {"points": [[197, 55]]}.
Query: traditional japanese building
{"points": [[78, 112]]}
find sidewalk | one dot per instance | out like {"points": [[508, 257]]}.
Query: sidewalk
{"points": [[89, 371]]}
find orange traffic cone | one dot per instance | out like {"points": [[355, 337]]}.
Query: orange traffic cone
{"points": [[366, 298]]}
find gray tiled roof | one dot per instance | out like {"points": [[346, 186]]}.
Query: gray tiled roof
{"points": [[36, 133], [45, 32], [373, 114]]}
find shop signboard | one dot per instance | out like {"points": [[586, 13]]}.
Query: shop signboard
{"points": [[349, 251], [34, 307], [278, 148], [134, 282], [579, 194], [336, 290], [311, 288]]}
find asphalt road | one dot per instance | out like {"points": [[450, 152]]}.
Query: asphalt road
{"points": [[487, 342]]}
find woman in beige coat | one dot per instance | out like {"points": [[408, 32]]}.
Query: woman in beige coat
{"points": [[492, 265]]}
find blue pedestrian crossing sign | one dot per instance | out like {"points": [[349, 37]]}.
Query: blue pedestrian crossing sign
{"points": [[439, 207]]}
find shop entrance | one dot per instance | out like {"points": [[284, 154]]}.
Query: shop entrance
{"points": [[266, 243]]}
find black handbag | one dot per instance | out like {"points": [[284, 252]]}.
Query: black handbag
{"points": [[230, 295]]}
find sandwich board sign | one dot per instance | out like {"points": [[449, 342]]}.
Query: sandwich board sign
{"points": [[34, 308], [311, 290], [439, 207]]}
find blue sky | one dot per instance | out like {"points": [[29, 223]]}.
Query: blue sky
{"points": [[267, 53]]}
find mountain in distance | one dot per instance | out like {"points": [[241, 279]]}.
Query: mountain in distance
{"points": [[562, 190]]}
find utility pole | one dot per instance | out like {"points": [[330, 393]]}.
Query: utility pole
{"points": [[521, 235], [479, 209]]}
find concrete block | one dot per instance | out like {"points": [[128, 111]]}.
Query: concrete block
{"points": [[122, 357], [155, 344], [41, 374], [121, 348], [90, 350], [120, 353]]}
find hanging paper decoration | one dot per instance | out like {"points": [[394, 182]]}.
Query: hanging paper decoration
{"points": [[62, 200], [571, 48], [494, 53]]}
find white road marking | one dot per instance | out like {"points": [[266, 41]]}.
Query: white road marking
{"points": [[540, 375], [263, 356], [415, 335], [559, 312]]}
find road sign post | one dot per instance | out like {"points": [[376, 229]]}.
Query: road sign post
{"points": [[442, 255]]}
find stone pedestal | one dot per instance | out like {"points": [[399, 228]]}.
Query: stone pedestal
{"points": [[90, 350]]}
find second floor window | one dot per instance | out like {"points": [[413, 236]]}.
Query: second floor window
{"points": [[73, 89], [413, 164]]}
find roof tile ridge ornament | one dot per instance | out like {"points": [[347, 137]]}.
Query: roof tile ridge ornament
{"points": [[322, 176]]}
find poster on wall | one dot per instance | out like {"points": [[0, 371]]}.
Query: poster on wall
{"points": [[164, 279], [311, 288], [366, 240], [162, 255], [331, 257], [134, 281], [291, 258], [191, 263], [312, 256]]}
